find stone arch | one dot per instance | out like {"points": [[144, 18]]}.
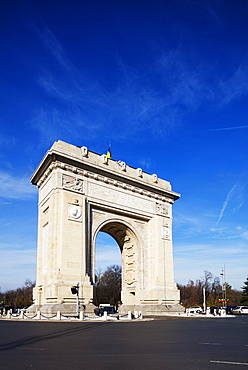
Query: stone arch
{"points": [[81, 193]]}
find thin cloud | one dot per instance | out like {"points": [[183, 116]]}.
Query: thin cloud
{"points": [[107, 255], [234, 87], [155, 102], [134, 102], [190, 260], [199, 221], [54, 47], [16, 265], [15, 188], [147, 163], [245, 235], [203, 10], [185, 218]]}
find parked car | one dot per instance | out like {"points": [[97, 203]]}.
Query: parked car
{"points": [[240, 310], [215, 309], [195, 309], [229, 309], [4, 309], [109, 309]]}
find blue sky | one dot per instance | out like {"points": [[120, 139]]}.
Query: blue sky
{"points": [[166, 82]]}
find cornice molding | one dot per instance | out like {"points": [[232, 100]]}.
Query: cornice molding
{"points": [[73, 170]]}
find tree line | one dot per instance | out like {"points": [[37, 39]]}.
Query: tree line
{"points": [[20, 297], [108, 290], [192, 293]]}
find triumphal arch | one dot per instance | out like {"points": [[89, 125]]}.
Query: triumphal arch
{"points": [[82, 193]]}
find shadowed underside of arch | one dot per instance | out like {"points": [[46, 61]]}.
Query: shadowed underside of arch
{"points": [[120, 232], [117, 231]]}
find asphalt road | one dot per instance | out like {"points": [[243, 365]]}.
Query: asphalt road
{"points": [[171, 343]]}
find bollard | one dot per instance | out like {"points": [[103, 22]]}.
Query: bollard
{"points": [[81, 315], [129, 315], [9, 314], [136, 314], [207, 311], [140, 315], [105, 315], [38, 315], [22, 315], [58, 315], [222, 312]]}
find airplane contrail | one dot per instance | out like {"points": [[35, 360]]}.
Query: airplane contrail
{"points": [[228, 128], [225, 203]]}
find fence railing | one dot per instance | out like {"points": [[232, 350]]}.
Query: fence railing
{"points": [[63, 316]]}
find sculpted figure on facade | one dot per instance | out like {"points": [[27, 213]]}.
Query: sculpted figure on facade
{"points": [[72, 183]]}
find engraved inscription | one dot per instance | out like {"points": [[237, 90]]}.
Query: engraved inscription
{"points": [[74, 265], [119, 197]]}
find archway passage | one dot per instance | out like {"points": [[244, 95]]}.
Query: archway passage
{"points": [[108, 274], [130, 258], [107, 252], [82, 193]]}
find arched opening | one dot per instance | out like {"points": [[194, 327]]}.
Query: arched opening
{"points": [[107, 270], [119, 238], [107, 252]]}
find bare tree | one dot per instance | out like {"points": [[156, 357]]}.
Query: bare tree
{"points": [[108, 286], [192, 293], [20, 297]]}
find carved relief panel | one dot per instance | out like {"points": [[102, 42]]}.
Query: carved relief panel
{"points": [[128, 258], [162, 209], [72, 183]]}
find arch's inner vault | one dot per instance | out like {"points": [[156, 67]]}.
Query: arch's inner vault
{"points": [[82, 193]]}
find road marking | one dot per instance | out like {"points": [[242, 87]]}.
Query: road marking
{"points": [[36, 349], [231, 363], [212, 344]]}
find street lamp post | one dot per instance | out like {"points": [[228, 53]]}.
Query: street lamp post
{"points": [[223, 276], [204, 300]]}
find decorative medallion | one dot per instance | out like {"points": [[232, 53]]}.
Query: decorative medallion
{"points": [[75, 211]]}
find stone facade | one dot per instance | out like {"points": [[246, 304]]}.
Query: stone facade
{"points": [[82, 193]]}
